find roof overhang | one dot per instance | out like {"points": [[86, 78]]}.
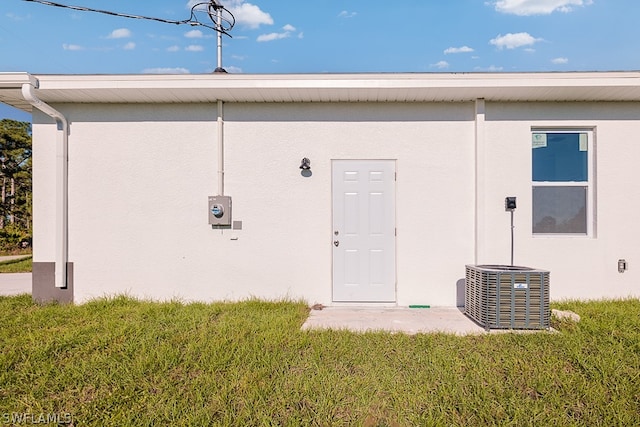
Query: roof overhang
{"points": [[384, 87], [11, 89]]}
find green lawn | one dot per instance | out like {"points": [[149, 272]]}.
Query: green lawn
{"points": [[23, 265], [121, 362]]}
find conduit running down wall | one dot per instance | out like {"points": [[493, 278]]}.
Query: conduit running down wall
{"points": [[220, 149], [479, 166]]}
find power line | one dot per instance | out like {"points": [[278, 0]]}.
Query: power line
{"points": [[224, 25]]}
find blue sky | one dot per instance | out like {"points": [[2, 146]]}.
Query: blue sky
{"points": [[309, 36]]}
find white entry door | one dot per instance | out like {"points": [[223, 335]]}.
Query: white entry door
{"points": [[364, 222]]}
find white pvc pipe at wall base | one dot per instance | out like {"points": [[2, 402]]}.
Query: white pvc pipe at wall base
{"points": [[62, 183]]}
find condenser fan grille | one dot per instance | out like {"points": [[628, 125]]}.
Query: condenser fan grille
{"points": [[507, 297]]}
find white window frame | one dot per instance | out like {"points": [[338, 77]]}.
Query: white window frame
{"points": [[590, 183]]}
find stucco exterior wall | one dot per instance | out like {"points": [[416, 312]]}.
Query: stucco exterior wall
{"points": [[140, 175], [44, 187], [581, 267], [287, 218]]}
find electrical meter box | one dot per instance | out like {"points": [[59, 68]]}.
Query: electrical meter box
{"points": [[219, 210]]}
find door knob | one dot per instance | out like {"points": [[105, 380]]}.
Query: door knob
{"points": [[336, 243]]}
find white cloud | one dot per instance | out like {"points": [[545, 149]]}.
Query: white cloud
{"points": [[513, 41], [560, 61], [194, 48], [288, 29], [441, 65], [233, 70], [346, 14], [246, 14], [176, 70], [120, 33], [173, 48], [72, 47], [491, 68], [15, 17], [194, 34], [537, 7], [129, 46], [272, 36], [463, 49]]}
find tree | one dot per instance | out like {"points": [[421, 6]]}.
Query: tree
{"points": [[15, 183]]}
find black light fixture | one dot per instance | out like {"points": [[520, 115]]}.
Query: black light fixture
{"points": [[305, 165]]}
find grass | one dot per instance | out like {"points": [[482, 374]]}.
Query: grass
{"points": [[23, 265], [123, 362]]}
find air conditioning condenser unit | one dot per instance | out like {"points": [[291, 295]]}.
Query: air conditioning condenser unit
{"points": [[507, 297]]}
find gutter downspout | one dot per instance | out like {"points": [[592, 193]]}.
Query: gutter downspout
{"points": [[62, 182]]}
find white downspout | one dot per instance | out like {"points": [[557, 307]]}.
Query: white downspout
{"points": [[220, 149], [62, 183]]}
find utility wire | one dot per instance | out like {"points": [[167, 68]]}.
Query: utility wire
{"points": [[212, 8]]}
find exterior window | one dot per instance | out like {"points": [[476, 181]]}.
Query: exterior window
{"points": [[562, 182]]}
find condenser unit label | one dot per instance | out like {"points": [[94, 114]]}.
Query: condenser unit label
{"points": [[520, 286]]}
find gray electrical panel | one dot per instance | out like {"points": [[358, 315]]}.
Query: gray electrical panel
{"points": [[220, 210]]}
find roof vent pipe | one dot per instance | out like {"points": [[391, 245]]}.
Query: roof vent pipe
{"points": [[62, 182]]}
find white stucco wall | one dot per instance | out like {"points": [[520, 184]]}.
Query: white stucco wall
{"points": [[140, 175], [581, 267], [44, 187], [287, 218]]}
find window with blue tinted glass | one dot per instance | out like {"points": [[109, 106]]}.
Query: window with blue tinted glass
{"points": [[562, 198], [560, 157]]}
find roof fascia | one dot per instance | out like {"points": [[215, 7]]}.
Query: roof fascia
{"points": [[16, 80], [474, 85]]}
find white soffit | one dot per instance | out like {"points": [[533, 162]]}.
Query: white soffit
{"points": [[387, 87], [11, 89]]}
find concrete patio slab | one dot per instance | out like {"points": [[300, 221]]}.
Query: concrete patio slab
{"points": [[449, 320]]}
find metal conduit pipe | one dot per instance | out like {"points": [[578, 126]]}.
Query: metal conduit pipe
{"points": [[220, 149], [62, 182]]}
